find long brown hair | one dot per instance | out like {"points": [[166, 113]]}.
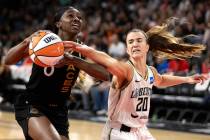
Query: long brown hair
{"points": [[164, 45]]}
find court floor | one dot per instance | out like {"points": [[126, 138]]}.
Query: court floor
{"points": [[86, 130]]}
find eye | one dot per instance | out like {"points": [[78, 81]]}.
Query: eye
{"points": [[139, 40], [70, 15], [79, 17], [130, 41]]}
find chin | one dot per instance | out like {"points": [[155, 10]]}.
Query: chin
{"points": [[137, 56], [75, 32]]}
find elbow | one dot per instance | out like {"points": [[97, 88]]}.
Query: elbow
{"points": [[104, 77], [7, 61]]}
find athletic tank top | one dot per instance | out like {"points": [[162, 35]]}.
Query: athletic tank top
{"points": [[54, 89], [130, 106]]}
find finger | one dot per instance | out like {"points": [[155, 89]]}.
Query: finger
{"points": [[201, 81], [68, 45], [198, 81], [66, 49], [205, 77], [69, 42], [68, 55]]}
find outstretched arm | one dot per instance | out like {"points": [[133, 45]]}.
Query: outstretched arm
{"points": [[170, 80], [122, 72], [92, 69], [114, 66]]}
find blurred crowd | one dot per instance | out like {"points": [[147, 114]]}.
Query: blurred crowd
{"points": [[106, 23]]}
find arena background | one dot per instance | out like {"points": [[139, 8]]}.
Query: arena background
{"points": [[180, 108]]}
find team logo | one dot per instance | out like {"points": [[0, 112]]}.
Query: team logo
{"points": [[49, 39], [151, 79]]}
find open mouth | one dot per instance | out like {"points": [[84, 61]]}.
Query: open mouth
{"points": [[136, 50], [75, 25]]}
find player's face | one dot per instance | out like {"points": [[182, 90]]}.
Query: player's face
{"points": [[136, 44], [71, 21]]}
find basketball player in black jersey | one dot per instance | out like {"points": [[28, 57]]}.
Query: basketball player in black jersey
{"points": [[42, 111]]}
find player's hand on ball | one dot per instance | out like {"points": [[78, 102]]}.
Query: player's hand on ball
{"points": [[73, 46], [45, 48], [70, 45]]}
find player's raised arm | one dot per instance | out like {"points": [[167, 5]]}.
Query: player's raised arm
{"points": [[17, 52]]}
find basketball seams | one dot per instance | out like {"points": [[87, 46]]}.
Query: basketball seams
{"points": [[47, 56], [37, 53], [34, 43], [39, 37], [46, 49], [43, 44], [48, 60], [39, 62]]}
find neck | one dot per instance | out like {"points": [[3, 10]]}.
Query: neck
{"points": [[66, 36], [140, 65]]}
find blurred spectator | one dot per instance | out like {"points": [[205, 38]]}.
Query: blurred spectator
{"points": [[99, 93], [205, 67], [117, 48], [161, 65], [183, 67], [194, 69], [173, 66]]}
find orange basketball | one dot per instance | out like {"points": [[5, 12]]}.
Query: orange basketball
{"points": [[46, 49]]}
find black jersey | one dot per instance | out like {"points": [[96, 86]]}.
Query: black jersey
{"points": [[54, 89]]}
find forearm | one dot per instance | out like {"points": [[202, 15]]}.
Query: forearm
{"points": [[110, 64], [170, 80], [16, 53], [92, 69], [97, 56]]}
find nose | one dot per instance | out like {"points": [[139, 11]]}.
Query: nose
{"points": [[135, 43], [76, 19]]}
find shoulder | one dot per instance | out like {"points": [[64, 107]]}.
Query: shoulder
{"points": [[153, 69], [157, 76], [121, 80]]}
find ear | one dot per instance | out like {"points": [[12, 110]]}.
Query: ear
{"points": [[147, 45], [58, 24], [127, 50]]}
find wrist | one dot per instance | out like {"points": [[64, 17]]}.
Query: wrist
{"points": [[86, 50], [26, 41], [24, 47], [188, 79]]}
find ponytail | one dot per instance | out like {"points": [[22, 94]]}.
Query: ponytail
{"points": [[164, 45]]}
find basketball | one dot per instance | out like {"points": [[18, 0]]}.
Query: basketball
{"points": [[46, 49]]}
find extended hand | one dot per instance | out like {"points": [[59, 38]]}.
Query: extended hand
{"points": [[70, 45], [197, 79], [73, 46]]}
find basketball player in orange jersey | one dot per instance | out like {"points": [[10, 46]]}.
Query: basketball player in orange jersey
{"points": [[42, 111], [129, 95]]}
